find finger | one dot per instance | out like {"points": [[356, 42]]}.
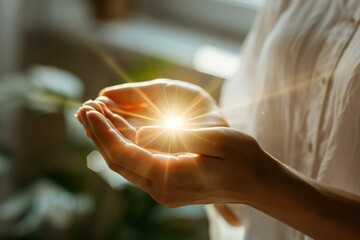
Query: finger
{"points": [[96, 106], [81, 116], [205, 141], [120, 152], [126, 123], [121, 125], [92, 106], [117, 121], [130, 176]]}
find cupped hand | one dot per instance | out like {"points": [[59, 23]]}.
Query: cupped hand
{"points": [[150, 103], [212, 165], [153, 102]]}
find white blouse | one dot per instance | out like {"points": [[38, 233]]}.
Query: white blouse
{"points": [[298, 93]]}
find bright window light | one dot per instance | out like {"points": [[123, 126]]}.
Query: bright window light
{"points": [[216, 61]]}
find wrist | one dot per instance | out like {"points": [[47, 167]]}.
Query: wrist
{"points": [[269, 177], [260, 182], [253, 176], [264, 179]]}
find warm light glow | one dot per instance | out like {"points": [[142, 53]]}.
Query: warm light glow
{"points": [[173, 122]]}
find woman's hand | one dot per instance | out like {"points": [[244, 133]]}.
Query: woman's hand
{"points": [[154, 102], [150, 102], [212, 165]]}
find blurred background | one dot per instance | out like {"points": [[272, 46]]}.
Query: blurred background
{"points": [[55, 54]]}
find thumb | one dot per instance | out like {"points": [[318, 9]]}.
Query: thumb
{"points": [[203, 141]]}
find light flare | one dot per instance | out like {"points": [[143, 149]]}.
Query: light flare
{"points": [[174, 122]]}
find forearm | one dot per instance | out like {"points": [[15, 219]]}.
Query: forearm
{"points": [[317, 210]]}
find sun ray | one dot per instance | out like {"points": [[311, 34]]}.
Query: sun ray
{"points": [[194, 160], [149, 101], [175, 100], [183, 143], [196, 164], [240, 121], [155, 137], [166, 172], [124, 112], [199, 116], [169, 146], [210, 87], [166, 99], [104, 56], [276, 93], [192, 105], [121, 73]]}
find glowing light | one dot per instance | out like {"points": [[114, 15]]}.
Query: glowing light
{"points": [[173, 122]]}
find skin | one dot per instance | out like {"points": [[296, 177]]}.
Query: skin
{"points": [[209, 163]]}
